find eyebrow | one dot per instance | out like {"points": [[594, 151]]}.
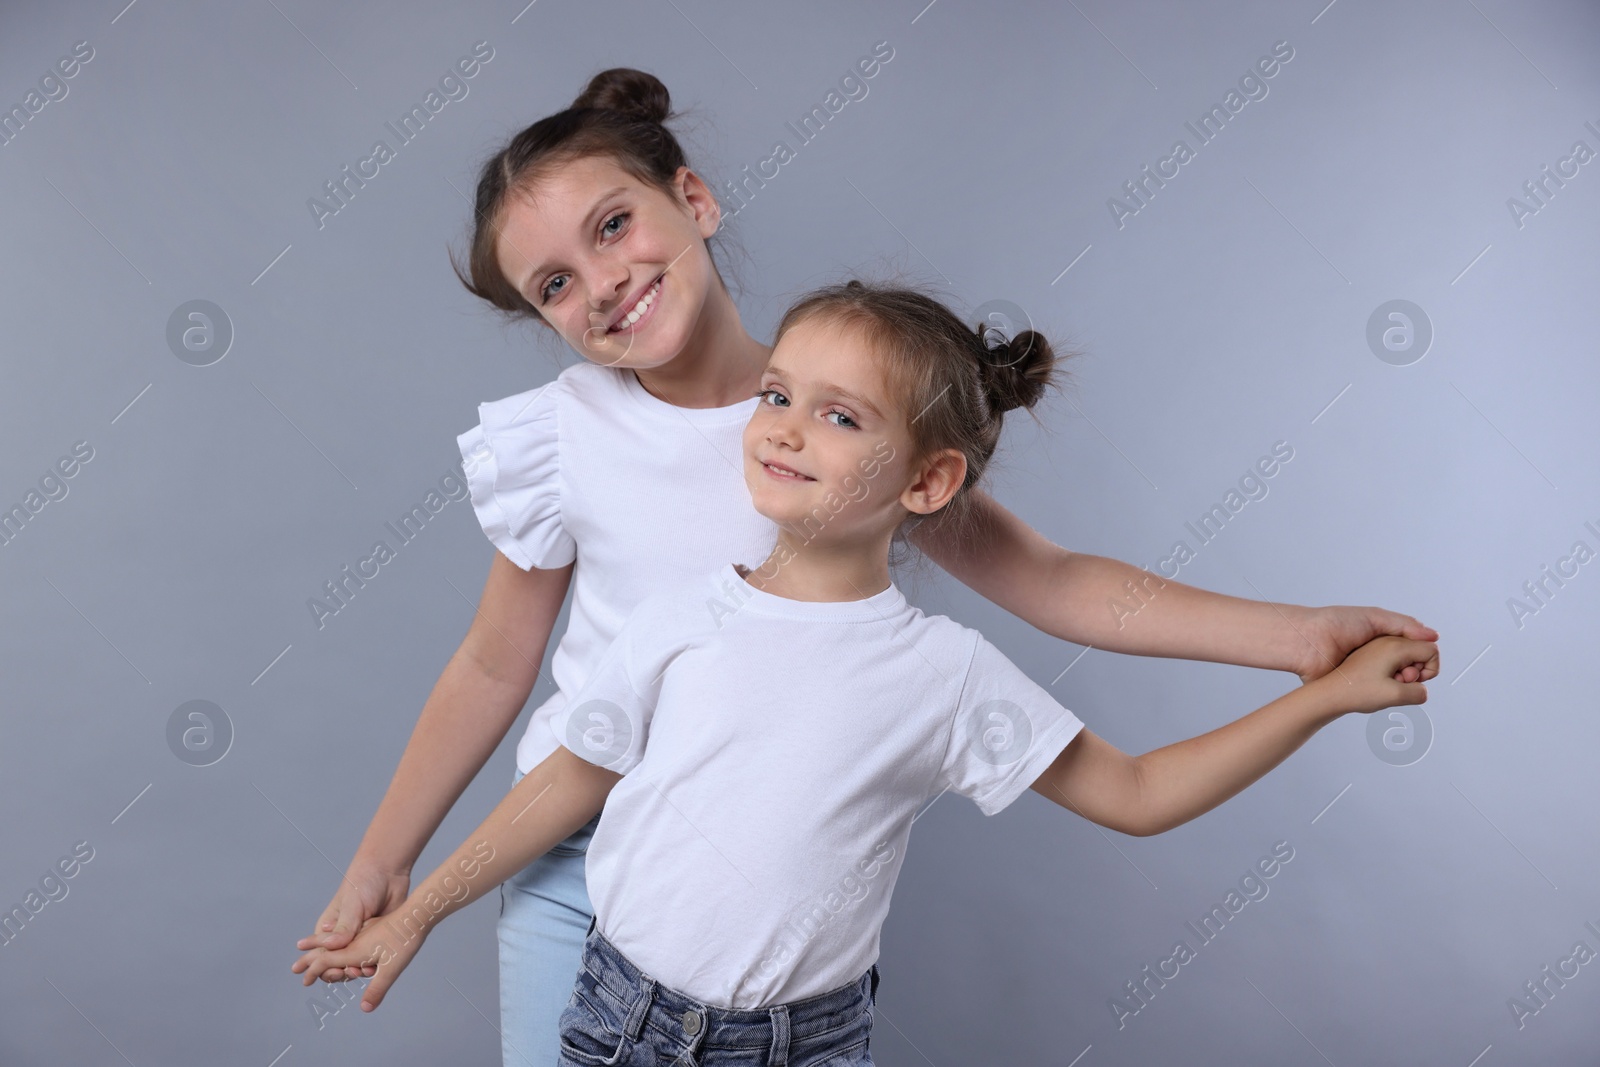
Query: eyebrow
{"points": [[829, 387], [584, 225]]}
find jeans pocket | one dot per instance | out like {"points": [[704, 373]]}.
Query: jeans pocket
{"points": [[854, 1056], [590, 1035]]}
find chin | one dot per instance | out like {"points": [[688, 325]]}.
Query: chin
{"points": [[779, 511], [663, 345]]}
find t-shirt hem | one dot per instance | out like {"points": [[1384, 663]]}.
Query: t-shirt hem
{"points": [[1041, 754]]}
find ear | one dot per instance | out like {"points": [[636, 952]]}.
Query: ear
{"points": [[934, 482], [698, 196]]}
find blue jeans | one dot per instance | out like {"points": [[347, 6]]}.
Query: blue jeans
{"points": [[618, 1016], [544, 913]]}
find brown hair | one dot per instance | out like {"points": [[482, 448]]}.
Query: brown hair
{"points": [[621, 114], [960, 379]]}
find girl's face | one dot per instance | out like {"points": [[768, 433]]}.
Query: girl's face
{"points": [[617, 267], [828, 451]]}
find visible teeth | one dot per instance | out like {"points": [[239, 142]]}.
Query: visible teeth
{"points": [[643, 305]]}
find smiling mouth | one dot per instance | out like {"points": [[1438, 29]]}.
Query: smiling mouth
{"points": [[641, 309], [785, 474]]}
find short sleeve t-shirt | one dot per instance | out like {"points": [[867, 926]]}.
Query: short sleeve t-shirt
{"points": [[642, 494], [774, 754]]}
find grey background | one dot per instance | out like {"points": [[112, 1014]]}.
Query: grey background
{"points": [[1230, 313]]}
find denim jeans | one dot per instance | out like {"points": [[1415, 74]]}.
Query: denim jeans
{"points": [[544, 913], [620, 1017]]}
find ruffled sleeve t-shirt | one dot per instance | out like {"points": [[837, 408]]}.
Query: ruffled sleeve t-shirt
{"points": [[642, 494], [774, 753]]}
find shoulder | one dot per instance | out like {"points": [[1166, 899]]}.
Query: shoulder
{"points": [[509, 411], [581, 381], [687, 609], [535, 418], [530, 413], [976, 666], [670, 620], [953, 643]]}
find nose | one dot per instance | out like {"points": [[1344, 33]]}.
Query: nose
{"points": [[784, 428], [608, 282]]}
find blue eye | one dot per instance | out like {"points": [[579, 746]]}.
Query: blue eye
{"points": [[605, 227], [848, 422], [550, 287], [772, 396]]}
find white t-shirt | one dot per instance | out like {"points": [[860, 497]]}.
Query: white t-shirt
{"points": [[642, 493], [774, 755]]}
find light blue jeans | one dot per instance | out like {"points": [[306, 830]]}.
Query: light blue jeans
{"points": [[544, 916]]}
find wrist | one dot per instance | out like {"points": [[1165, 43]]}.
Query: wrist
{"points": [[371, 861], [415, 917], [1305, 655], [1321, 697]]}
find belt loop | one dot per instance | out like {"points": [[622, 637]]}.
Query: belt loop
{"points": [[779, 1056], [634, 1025], [592, 920], [873, 996]]}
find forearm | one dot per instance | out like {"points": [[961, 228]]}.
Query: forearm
{"points": [[1112, 605], [463, 720], [1106, 603], [550, 802], [1185, 780]]}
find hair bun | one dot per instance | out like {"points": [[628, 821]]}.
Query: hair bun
{"points": [[632, 92], [1015, 373]]}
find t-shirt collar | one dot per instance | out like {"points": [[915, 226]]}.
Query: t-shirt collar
{"points": [[884, 604]]}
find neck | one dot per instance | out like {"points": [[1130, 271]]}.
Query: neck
{"points": [[816, 570], [720, 364]]}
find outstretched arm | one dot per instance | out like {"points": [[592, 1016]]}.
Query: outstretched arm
{"points": [[1103, 602], [474, 703], [1152, 793], [548, 804]]}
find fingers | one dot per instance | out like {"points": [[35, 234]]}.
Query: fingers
{"points": [[1411, 663], [1414, 693], [342, 974], [1416, 631], [376, 989], [1405, 626], [1422, 667], [344, 927], [331, 965], [333, 931], [325, 923], [1400, 653], [338, 925]]}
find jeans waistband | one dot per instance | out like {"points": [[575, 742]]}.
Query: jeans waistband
{"points": [[698, 1025]]}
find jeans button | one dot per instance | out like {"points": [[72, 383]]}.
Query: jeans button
{"points": [[691, 1022]]}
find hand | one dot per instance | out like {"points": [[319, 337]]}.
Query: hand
{"points": [[1335, 632], [1367, 680], [382, 949], [365, 893]]}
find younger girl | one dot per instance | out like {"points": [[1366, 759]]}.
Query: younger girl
{"points": [[766, 736]]}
